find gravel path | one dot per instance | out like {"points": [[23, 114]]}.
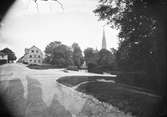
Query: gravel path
{"points": [[36, 93]]}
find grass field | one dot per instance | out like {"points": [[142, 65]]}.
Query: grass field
{"points": [[42, 66], [127, 98], [71, 81]]}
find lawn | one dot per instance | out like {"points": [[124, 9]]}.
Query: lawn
{"points": [[125, 97], [42, 67], [71, 81]]}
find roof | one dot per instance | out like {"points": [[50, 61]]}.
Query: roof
{"points": [[34, 47], [2, 54]]}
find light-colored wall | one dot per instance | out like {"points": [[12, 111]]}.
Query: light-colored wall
{"points": [[33, 56], [4, 57]]}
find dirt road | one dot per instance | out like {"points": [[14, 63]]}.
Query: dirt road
{"points": [[36, 93]]}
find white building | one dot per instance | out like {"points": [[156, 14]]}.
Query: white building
{"points": [[32, 55]]}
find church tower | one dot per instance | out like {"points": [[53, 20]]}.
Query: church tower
{"points": [[104, 46]]}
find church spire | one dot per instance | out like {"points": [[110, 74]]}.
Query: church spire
{"points": [[104, 46]]}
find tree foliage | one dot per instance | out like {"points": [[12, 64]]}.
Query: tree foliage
{"points": [[58, 54], [91, 57], [139, 22], [77, 55], [106, 58], [141, 37], [100, 61]]}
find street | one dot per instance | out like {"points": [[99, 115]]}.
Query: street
{"points": [[36, 93]]}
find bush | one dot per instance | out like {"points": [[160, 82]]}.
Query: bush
{"points": [[32, 66], [73, 68]]}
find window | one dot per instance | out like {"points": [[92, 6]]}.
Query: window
{"points": [[30, 56], [36, 51], [32, 51], [38, 56], [34, 56], [39, 61], [30, 60], [34, 61]]}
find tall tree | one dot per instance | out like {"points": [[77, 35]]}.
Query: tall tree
{"points": [[106, 59], [58, 54], [142, 34], [91, 57], [10, 53], [77, 55]]}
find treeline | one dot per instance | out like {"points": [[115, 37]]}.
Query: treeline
{"points": [[61, 55], [142, 38], [100, 61]]}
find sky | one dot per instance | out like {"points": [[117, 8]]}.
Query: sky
{"points": [[27, 24]]}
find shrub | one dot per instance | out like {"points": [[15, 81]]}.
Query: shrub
{"points": [[73, 68]]}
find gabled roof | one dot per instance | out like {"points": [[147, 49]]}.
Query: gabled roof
{"points": [[20, 59], [34, 47]]}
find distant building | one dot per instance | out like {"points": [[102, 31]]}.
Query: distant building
{"points": [[20, 60], [32, 55], [104, 45], [3, 58]]}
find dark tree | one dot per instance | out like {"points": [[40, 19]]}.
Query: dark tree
{"points": [[58, 54], [77, 55], [106, 59], [91, 57], [142, 37]]}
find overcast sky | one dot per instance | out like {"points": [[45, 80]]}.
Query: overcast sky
{"points": [[24, 25]]}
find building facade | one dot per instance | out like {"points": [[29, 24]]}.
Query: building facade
{"points": [[32, 55], [3, 58]]}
